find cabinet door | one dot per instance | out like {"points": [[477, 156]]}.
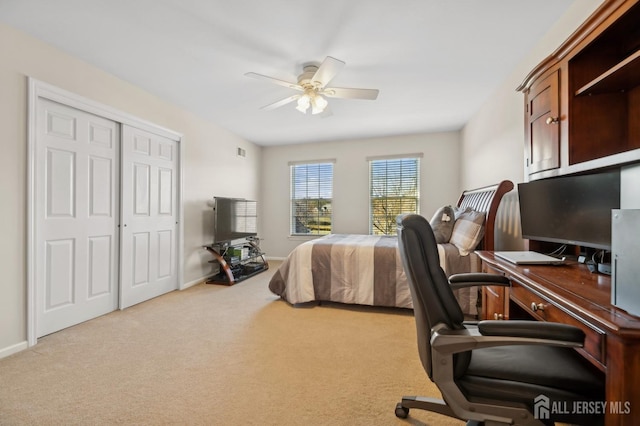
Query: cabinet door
{"points": [[493, 302], [543, 124], [494, 298]]}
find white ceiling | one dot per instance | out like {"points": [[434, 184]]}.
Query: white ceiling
{"points": [[434, 61]]}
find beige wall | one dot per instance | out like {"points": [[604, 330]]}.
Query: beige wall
{"points": [[350, 205], [492, 145], [492, 142], [210, 164]]}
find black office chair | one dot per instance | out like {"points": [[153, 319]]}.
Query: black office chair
{"points": [[492, 372]]}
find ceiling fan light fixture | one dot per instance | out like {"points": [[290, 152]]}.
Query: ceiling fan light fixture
{"points": [[318, 104], [303, 103]]}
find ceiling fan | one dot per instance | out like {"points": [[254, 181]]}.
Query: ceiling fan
{"points": [[312, 84]]}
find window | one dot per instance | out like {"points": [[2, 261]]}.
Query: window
{"points": [[311, 193], [394, 189]]}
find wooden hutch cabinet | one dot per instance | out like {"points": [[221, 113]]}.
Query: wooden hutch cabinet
{"points": [[582, 103]]}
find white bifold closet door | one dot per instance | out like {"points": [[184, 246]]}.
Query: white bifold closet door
{"points": [[76, 216], [149, 216]]}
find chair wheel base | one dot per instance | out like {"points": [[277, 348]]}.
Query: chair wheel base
{"points": [[401, 411]]}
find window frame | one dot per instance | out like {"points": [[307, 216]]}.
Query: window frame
{"points": [[391, 228], [320, 187]]}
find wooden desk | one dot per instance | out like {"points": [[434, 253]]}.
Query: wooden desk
{"points": [[572, 295]]}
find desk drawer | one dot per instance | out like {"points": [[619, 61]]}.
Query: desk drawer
{"points": [[543, 310]]}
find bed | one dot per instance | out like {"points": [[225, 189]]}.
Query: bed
{"points": [[367, 270]]}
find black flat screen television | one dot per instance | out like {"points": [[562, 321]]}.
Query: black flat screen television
{"points": [[234, 218], [572, 210]]}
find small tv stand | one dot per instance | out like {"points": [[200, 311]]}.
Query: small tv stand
{"points": [[238, 261]]}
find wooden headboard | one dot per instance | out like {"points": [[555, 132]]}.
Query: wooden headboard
{"points": [[487, 200]]}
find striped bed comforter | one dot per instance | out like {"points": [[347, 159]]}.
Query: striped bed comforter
{"points": [[359, 269]]}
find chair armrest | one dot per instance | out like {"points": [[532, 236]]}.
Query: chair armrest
{"points": [[532, 329], [470, 279], [446, 341]]}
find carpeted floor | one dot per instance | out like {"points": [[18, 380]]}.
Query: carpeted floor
{"points": [[216, 355]]}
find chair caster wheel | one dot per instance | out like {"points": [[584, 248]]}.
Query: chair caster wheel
{"points": [[401, 411]]}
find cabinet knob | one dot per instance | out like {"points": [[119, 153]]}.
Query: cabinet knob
{"points": [[497, 316], [553, 120], [537, 307]]}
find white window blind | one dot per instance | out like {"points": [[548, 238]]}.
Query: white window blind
{"points": [[311, 194], [394, 189]]}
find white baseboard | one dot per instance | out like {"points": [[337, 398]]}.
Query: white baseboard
{"points": [[194, 282], [10, 350], [277, 259]]}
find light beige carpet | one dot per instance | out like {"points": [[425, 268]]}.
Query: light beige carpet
{"points": [[216, 355]]}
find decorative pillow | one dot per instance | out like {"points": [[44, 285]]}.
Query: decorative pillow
{"points": [[442, 224], [457, 211], [468, 231]]}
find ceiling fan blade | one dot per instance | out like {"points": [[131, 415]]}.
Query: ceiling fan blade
{"points": [[350, 93], [329, 68], [275, 81], [280, 103]]}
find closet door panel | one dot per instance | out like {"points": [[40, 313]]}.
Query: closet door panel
{"points": [[76, 215], [149, 216]]}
